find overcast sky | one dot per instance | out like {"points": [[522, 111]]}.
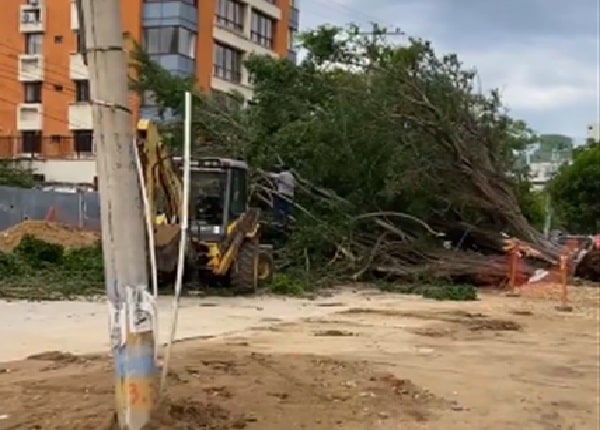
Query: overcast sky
{"points": [[542, 54]]}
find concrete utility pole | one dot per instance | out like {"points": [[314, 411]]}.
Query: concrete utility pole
{"points": [[122, 218]]}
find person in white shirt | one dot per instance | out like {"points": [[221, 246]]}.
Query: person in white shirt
{"points": [[283, 199]]}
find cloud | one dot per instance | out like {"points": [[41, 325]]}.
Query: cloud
{"points": [[539, 76], [542, 54]]}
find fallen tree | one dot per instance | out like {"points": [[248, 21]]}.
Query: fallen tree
{"points": [[404, 169]]}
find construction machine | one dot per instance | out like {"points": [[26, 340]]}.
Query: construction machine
{"points": [[223, 243]]}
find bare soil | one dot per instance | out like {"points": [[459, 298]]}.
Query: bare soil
{"points": [[390, 363], [51, 232]]}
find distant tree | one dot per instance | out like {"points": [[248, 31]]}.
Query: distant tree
{"points": [[575, 192], [15, 176]]}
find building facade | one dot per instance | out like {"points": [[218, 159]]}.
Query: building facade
{"points": [[593, 132], [45, 110]]}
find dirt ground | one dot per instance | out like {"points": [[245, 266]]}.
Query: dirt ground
{"points": [[51, 232], [386, 362]]}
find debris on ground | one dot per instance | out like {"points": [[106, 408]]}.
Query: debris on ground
{"points": [[494, 325], [589, 266], [192, 414], [51, 232]]}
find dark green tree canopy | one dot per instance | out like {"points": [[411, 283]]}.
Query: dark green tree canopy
{"points": [[576, 192], [391, 140]]}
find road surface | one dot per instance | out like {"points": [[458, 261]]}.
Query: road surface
{"points": [[354, 362]]}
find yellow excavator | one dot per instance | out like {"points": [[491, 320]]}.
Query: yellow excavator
{"points": [[223, 231]]}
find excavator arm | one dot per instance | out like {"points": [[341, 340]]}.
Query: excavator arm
{"points": [[164, 190], [163, 185]]}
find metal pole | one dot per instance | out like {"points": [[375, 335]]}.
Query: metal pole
{"points": [[131, 306], [187, 145]]}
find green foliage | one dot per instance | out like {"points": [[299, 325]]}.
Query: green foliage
{"points": [[532, 204], [14, 176], [383, 128], [168, 89], [286, 285], [575, 192], [39, 253], [456, 292], [40, 270], [451, 292]]}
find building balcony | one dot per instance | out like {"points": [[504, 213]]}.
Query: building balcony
{"points": [[31, 18], [29, 116], [265, 7], [172, 13], [239, 41], [31, 68], [77, 70], [80, 116], [295, 19], [228, 87], [44, 148]]}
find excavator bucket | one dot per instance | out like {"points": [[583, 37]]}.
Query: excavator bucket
{"points": [[166, 246]]}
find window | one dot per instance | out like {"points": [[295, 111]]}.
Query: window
{"points": [[31, 142], [58, 39], [230, 14], [33, 43], [38, 178], [82, 91], [290, 39], [262, 30], [33, 15], [84, 141], [239, 190], [33, 92], [169, 41], [227, 63], [148, 98]]}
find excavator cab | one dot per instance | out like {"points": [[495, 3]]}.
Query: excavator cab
{"points": [[218, 196], [223, 232]]}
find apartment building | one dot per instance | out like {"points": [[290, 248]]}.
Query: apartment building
{"points": [[593, 132], [45, 110]]}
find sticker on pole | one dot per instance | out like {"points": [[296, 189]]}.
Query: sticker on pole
{"points": [[140, 308], [116, 321]]}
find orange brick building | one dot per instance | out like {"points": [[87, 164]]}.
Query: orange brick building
{"points": [[45, 114]]}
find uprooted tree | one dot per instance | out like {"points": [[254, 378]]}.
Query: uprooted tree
{"points": [[394, 149]]}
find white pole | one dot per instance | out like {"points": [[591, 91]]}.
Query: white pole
{"points": [[149, 223], [187, 144], [150, 228]]}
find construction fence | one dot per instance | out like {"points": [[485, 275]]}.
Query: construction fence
{"points": [[79, 209]]}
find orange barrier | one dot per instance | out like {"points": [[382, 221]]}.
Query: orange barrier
{"points": [[50, 214], [564, 274], [513, 247]]}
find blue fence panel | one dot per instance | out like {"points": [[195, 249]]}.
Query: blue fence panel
{"points": [[76, 209]]}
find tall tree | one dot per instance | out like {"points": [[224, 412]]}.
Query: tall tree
{"points": [[575, 192], [375, 128]]}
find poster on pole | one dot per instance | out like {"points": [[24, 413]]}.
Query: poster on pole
{"points": [[140, 308]]}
